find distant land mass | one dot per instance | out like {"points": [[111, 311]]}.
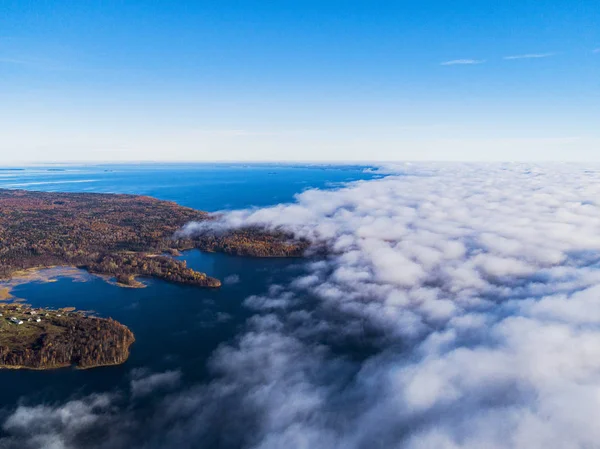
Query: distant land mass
{"points": [[121, 236]]}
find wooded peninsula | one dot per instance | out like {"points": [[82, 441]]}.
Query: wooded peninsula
{"points": [[119, 235]]}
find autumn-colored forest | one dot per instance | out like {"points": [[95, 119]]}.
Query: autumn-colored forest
{"points": [[119, 235]]}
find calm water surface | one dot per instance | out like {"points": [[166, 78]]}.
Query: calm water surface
{"points": [[176, 327], [208, 187]]}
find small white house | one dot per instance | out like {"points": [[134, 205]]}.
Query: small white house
{"points": [[38, 319], [16, 320]]}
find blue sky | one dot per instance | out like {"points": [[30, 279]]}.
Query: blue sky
{"points": [[299, 80]]}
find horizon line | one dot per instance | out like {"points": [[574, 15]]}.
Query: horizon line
{"points": [[282, 162]]}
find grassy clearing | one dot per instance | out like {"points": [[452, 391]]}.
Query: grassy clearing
{"points": [[22, 336]]}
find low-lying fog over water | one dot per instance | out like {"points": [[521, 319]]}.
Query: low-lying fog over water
{"points": [[457, 306]]}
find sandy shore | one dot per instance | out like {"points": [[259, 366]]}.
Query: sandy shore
{"points": [[5, 293], [52, 274], [41, 274]]}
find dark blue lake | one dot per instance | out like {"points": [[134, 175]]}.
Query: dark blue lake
{"points": [[176, 327]]}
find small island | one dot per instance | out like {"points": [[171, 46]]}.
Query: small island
{"points": [[38, 338], [122, 236]]}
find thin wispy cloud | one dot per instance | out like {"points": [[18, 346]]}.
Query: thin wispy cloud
{"points": [[530, 56], [13, 61], [30, 62], [464, 62]]}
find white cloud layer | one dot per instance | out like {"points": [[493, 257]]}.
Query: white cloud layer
{"points": [[490, 272], [459, 307]]}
